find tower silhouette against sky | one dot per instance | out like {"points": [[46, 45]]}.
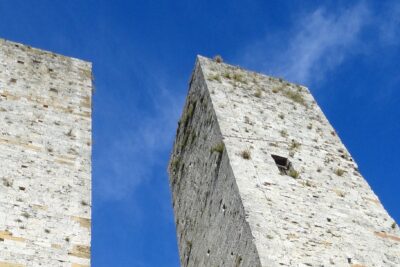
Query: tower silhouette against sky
{"points": [[45, 158], [260, 178]]}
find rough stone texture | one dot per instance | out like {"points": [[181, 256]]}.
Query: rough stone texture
{"points": [[45, 158], [233, 206]]}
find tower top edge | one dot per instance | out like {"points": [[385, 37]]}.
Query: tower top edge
{"points": [[207, 63], [5, 42]]}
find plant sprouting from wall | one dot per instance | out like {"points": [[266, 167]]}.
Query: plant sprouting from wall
{"points": [[294, 145], [246, 154], [339, 172], [219, 148]]}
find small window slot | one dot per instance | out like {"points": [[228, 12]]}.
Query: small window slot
{"points": [[283, 164]]}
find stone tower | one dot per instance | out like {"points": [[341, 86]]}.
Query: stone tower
{"points": [[260, 178], [45, 158]]}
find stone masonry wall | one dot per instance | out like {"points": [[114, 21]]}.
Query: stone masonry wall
{"points": [[318, 212], [210, 218], [45, 158]]}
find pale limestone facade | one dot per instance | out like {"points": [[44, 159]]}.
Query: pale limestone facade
{"points": [[45, 158], [260, 178]]}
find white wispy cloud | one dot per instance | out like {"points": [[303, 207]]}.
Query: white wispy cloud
{"points": [[139, 150], [316, 44], [322, 43]]}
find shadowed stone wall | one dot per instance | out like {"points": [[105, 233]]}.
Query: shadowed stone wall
{"points": [[208, 209]]}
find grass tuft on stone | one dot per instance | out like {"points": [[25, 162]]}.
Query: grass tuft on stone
{"points": [[7, 183], [218, 59], [258, 93], [293, 173], [246, 154], [238, 77], [175, 163], [339, 172], [294, 96], [214, 77], [283, 133], [294, 145], [219, 148], [187, 115]]}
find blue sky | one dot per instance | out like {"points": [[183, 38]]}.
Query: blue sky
{"points": [[346, 52]]}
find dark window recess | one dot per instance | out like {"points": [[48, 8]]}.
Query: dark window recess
{"points": [[283, 164]]}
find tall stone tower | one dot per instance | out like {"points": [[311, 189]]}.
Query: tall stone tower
{"points": [[260, 178], [45, 158]]}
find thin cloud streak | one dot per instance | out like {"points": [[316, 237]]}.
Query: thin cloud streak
{"points": [[323, 42], [316, 45], [140, 149], [141, 103]]}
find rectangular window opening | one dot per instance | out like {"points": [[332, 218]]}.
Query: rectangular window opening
{"points": [[283, 164]]}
